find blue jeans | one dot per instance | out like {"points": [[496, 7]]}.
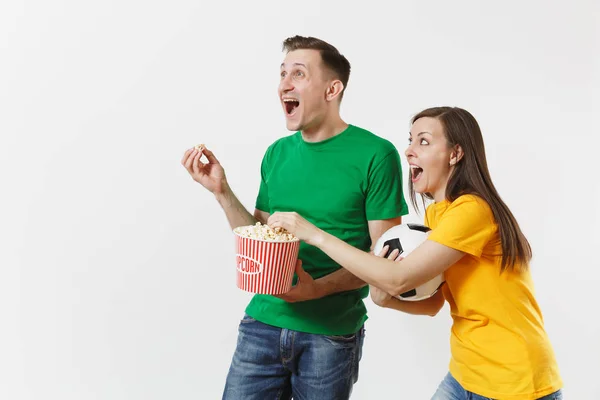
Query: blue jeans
{"points": [[450, 389], [273, 363]]}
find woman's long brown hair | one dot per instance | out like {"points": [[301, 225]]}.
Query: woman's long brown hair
{"points": [[471, 176]]}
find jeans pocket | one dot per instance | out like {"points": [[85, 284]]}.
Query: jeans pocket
{"points": [[342, 338]]}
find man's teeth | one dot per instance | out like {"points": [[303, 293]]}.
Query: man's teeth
{"points": [[290, 105]]}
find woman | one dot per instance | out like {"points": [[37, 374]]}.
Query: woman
{"points": [[499, 347]]}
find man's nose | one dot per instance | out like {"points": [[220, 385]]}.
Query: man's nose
{"points": [[286, 84]]}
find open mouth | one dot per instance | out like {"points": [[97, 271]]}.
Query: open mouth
{"points": [[415, 172], [290, 105]]}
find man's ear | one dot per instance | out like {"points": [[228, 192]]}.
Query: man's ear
{"points": [[334, 90]]}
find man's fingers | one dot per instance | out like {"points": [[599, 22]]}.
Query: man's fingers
{"points": [[186, 156], [189, 161], [197, 165], [210, 156]]}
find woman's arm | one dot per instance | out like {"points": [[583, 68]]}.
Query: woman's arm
{"points": [[430, 306], [423, 264]]}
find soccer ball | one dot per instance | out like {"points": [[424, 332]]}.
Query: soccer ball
{"points": [[406, 238]]}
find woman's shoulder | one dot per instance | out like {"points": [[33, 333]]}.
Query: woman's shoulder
{"points": [[471, 204], [472, 200]]}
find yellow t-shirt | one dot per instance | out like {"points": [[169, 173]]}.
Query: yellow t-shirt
{"points": [[498, 343]]}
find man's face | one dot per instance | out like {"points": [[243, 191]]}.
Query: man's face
{"points": [[302, 89]]}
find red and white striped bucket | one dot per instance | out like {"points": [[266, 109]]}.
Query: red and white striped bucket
{"points": [[265, 267]]}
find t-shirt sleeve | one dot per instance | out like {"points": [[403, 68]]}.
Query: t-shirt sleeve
{"points": [[384, 194], [262, 199], [467, 225]]}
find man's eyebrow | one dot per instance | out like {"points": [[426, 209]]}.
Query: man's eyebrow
{"points": [[294, 64]]}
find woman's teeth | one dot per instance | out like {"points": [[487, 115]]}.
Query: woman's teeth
{"points": [[416, 171]]}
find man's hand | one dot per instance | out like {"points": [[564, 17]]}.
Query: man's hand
{"points": [[379, 297], [305, 288], [210, 175]]}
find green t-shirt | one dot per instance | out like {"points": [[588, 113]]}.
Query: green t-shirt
{"points": [[337, 184]]}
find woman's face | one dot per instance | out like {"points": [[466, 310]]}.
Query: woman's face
{"points": [[430, 157]]}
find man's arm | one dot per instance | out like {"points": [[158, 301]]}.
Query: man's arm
{"points": [[338, 281], [430, 306], [236, 213], [211, 175], [379, 227], [261, 216]]}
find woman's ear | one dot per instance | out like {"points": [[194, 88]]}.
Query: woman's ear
{"points": [[456, 155]]}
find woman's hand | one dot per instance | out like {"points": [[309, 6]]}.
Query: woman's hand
{"points": [[378, 296], [296, 225]]}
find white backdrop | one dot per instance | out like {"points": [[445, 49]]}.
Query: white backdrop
{"points": [[117, 273]]}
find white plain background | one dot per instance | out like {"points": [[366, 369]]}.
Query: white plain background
{"points": [[116, 274]]}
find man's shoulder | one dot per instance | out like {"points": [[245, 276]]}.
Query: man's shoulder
{"points": [[373, 140]]}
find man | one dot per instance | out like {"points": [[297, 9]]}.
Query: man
{"points": [[307, 343]]}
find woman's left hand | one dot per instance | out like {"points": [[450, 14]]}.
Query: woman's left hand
{"points": [[379, 296], [296, 225]]}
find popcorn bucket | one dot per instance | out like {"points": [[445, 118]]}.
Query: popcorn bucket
{"points": [[265, 266]]}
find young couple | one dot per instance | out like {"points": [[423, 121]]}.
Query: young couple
{"points": [[338, 187]]}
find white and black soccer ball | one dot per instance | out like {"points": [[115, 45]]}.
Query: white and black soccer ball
{"points": [[406, 238]]}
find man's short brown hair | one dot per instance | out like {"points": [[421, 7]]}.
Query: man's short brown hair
{"points": [[332, 59]]}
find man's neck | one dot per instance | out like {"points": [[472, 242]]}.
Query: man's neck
{"points": [[328, 128]]}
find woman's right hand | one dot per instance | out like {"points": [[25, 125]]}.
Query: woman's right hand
{"points": [[211, 175]]}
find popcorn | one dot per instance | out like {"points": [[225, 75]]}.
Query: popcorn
{"points": [[264, 232], [199, 147], [265, 259]]}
